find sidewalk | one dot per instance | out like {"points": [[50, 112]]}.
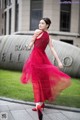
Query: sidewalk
{"points": [[20, 110]]}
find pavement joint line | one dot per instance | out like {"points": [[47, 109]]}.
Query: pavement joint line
{"points": [[49, 106]]}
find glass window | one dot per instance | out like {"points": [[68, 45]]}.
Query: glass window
{"points": [[67, 41], [16, 15], [10, 14], [5, 3], [5, 21], [36, 13], [0, 4], [9, 2], [65, 15]]}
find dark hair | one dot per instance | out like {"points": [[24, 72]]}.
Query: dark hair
{"points": [[47, 21]]}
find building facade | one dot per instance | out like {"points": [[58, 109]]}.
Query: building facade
{"points": [[22, 16]]}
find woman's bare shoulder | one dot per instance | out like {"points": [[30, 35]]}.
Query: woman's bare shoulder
{"points": [[37, 31]]}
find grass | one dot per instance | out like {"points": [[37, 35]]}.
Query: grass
{"points": [[11, 87]]}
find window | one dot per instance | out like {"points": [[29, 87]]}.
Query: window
{"points": [[10, 14], [9, 2], [65, 15], [5, 21], [67, 41], [0, 4], [5, 3], [16, 15], [36, 13]]}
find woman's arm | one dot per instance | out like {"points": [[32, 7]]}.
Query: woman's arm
{"points": [[36, 33], [54, 53]]}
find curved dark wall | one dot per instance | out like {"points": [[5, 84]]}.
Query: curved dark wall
{"points": [[13, 54]]}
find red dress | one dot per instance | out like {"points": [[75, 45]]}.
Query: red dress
{"points": [[47, 80]]}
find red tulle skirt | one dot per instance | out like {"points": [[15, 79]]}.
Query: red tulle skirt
{"points": [[47, 80]]}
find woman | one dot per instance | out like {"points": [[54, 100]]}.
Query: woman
{"points": [[47, 80]]}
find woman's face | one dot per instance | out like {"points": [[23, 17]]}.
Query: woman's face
{"points": [[42, 25]]}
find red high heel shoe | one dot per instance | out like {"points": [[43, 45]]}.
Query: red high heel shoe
{"points": [[40, 115], [42, 106]]}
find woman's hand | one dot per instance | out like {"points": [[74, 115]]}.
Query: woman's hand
{"points": [[60, 65], [28, 47]]}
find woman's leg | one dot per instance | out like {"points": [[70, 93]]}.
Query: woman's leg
{"points": [[39, 103]]}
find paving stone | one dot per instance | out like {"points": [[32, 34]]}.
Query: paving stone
{"points": [[28, 107], [47, 110], [4, 108], [16, 107], [10, 117], [21, 115], [71, 115], [19, 111], [6, 115], [33, 114], [6, 103], [46, 117], [57, 116]]}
